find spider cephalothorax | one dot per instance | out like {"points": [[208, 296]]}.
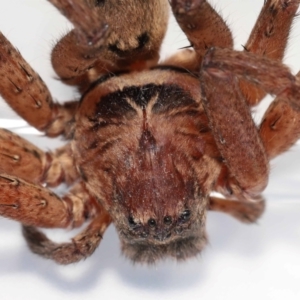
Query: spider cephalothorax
{"points": [[149, 142], [159, 198]]}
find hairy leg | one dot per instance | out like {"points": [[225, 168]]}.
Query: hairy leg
{"points": [[245, 156], [269, 39], [280, 126], [81, 246], [204, 28], [33, 205], [22, 159], [232, 125], [23, 89]]}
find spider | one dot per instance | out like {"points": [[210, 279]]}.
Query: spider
{"points": [[149, 141]]}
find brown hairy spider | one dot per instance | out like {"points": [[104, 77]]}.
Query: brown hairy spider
{"points": [[148, 142]]}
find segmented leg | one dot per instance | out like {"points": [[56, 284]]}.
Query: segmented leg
{"points": [[79, 50], [246, 152], [98, 44], [22, 159], [202, 25], [204, 28], [270, 75], [269, 38], [90, 27], [246, 212], [232, 125], [82, 245], [23, 89], [280, 126], [33, 205]]}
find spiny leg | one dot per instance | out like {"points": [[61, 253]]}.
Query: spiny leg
{"points": [[233, 128], [99, 43], [279, 129], [269, 38], [22, 159], [270, 34], [33, 205], [204, 28], [23, 89], [280, 126], [270, 75]]}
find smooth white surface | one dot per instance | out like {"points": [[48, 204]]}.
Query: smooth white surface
{"points": [[241, 262]]}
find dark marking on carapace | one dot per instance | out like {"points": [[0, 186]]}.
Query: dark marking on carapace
{"points": [[107, 146], [172, 96], [116, 105]]}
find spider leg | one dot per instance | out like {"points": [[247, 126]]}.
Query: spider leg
{"points": [[232, 125], [108, 37], [82, 245], [280, 126], [246, 212], [90, 28], [78, 51], [270, 75], [204, 28], [269, 38], [24, 160], [23, 89], [245, 150], [34, 205]]}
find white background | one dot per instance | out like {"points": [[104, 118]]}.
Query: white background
{"points": [[260, 261]]}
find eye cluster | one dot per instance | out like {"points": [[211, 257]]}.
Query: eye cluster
{"points": [[159, 229]]}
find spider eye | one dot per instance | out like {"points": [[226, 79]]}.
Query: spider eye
{"points": [[186, 214], [131, 221], [167, 220], [152, 223]]}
